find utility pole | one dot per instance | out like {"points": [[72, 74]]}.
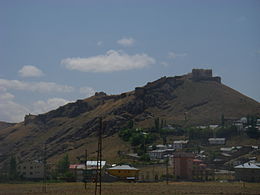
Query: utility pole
{"points": [[44, 170], [167, 170], [99, 159]]}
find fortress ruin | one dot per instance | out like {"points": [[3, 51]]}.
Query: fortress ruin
{"points": [[204, 74]]}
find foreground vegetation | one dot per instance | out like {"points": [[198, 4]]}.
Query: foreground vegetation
{"points": [[134, 188]]}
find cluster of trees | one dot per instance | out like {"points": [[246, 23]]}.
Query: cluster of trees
{"points": [[138, 139], [195, 133], [62, 171], [252, 131], [10, 173], [202, 134]]}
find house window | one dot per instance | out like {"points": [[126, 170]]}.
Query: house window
{"points": [[118, 171], [31, 167], [24, 167], [31, 173]]}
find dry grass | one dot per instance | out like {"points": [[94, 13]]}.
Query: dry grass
{"points": [[134, 188]]}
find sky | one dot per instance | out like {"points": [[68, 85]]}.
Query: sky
{"points": [[53, 52]]}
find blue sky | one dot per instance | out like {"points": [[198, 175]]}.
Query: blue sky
{"points": [[56, 51]]}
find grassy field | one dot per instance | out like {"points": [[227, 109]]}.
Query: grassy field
{"points": [[134, 188]]}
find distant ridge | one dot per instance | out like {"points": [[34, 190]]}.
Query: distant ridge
{"points": [[4, 125], [192, 99]]}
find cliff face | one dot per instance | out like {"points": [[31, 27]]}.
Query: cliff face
{"points": [[72, 128]]}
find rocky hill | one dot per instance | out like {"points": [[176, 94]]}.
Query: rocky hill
{"points": [[4, 125], [192, 99]]}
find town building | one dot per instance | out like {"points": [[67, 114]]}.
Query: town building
{"points": [[78, 171], [249, 172], [93, 164], [217, 141], [230, 120], [124, 172], [200, 171], [161, 147], [157, 154], [228, 149], [86, 171], [183, 165], [239, 125], [186, 167], [31, 169], [180, 144]]}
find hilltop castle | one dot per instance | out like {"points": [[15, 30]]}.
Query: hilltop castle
{"points": [[204, 74], [195, 75]]}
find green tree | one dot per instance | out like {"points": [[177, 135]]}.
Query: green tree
{"points": [[137, 139], [222, 120], [253, 132], [12, 173], [157, 124], [145, 157], [162, 124], [63, 165], [150, 138], [227, 131], [199, 134], [130, 124], [126, 134]]}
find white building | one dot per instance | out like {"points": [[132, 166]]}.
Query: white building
{"points": [[93, 164], [217, 141], [180, 144], [161, 147], [228, 150], [247, 172], [157, 154]]}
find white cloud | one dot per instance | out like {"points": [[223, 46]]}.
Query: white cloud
{"points": [[110, 62], [45, 106], [164, 64], [126, 42], [99, 43], [87, 91], [30, 71], [174, 55], [11, 111], [42, 87], [6, 96]]}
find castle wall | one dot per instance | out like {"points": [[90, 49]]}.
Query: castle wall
{"points": [[204, 74], [198, 74]]}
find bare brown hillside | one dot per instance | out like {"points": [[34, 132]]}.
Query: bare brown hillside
{"points": [[72, 128], [4, 125]]}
